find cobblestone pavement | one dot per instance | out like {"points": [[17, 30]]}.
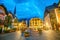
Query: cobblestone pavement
{"points": [[44, 35]]}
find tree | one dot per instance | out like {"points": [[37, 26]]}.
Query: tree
{"points": [[8, 21]]}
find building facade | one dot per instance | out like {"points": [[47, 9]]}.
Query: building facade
{"points": [[47, 23], [35, 23], [3, 13], [54, 16]]}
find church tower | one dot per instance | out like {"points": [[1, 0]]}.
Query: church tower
{"points": [[14, 15]]}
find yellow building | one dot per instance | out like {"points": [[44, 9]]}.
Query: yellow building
{"points": [[23, 24], [35, 23], [54, 16], [47, 23], [57, 12], [15, 19], [15, 23]]}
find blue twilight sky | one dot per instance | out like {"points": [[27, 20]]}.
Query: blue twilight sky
{"points": [[28, 8]]}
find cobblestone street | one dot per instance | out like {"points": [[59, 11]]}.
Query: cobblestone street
{"points": [[45, 35]]}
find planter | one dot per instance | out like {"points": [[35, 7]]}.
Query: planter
{"points": [[26, 34], [6, 31]]}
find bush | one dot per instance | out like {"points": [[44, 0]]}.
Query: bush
{"points": [[6, 31], [13, 28], [10, 30]]}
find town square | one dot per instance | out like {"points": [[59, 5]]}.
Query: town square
{"points": [[29, 20]]}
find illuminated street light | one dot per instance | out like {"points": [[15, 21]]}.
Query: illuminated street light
{"points": [[20, 24]]}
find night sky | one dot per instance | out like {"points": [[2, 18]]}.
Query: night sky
{"points": [[28, 8]]}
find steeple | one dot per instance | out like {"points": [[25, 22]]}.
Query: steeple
{"points": [[14, 11]]}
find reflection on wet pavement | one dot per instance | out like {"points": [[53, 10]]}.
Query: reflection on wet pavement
{"points": [[44, 35]]}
